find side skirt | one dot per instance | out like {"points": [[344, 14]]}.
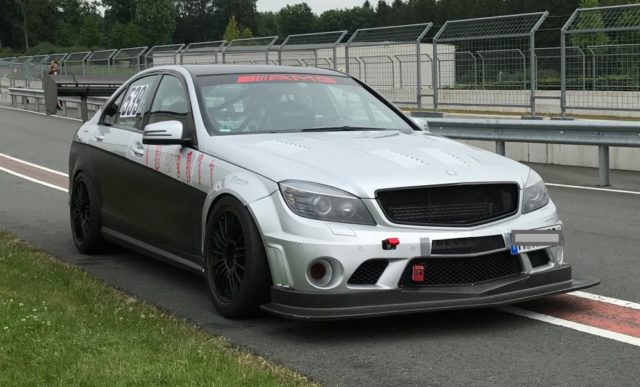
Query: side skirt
{"points": [[152, 251]]}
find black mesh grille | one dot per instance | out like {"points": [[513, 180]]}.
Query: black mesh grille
{"points": [[467, 245], [369, 272], [456, 205], [462, 270], [538, 257]]}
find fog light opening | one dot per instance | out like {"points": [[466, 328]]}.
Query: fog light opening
{"points": [[320, 273]]}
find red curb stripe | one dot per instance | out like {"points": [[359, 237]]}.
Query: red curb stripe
{"points": [[597, 314]]}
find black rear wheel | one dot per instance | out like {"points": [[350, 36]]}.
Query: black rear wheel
{"points": [[236, 267], [85, 216]]}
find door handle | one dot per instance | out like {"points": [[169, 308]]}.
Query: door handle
{"points": [[99, 137], [138, 149]]}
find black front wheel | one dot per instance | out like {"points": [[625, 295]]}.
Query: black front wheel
{"points": [[85, 216], [236, 267]]}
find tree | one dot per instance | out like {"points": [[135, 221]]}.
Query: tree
{"points": [[90, 35], [268, 24], [119, 11], [232, 31], [382, 13], [296, 19], [125, 35], [157, 20], [194, 21], [23, 5], [243, 10]]}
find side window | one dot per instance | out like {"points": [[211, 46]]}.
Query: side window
{"points": [[171, 102], [132, 103]]}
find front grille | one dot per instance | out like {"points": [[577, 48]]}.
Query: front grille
{"points": [[467, 245], [453, 205], [369, 272], [462, 270]]}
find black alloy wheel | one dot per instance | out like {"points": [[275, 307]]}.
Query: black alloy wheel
{"points": [[236, 267], [227, 256], [85, 216]]}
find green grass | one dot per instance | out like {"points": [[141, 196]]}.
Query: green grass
{"points": [[59, 326]]}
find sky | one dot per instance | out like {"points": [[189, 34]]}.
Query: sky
{"points": [[318, 6]]}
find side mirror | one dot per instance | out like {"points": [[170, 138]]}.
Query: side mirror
{"points": [[421, 122], [164, 133]]}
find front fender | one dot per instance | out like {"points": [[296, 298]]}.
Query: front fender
{"points": [[245, 186]]}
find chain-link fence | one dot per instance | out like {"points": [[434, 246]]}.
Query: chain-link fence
{"points": [[311, 50], [391, 60], [548, 68], [163, 55], [18, 72], [611, 37], [202, 52], [487, 61], [99, 62], [128, 61], [75, 63], [250, 51]]}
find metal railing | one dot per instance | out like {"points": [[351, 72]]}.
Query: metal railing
{"points": [[25, 98], [602, 134]]}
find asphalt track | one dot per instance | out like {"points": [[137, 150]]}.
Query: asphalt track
{"points": [[475, 347]]}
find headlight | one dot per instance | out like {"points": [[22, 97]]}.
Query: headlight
{"points": [[317, 201], [535, 193]]}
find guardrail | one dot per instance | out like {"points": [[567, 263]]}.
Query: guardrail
{"points": [[602, 134], [21, 96]]}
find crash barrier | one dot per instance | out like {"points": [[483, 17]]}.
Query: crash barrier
{"points": [[78, 86], [24, 98], [602, 134]]}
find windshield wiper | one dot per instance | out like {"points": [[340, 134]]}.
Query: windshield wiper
{"points": [[341, 129]]}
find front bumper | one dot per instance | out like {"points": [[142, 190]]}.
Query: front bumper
{"points": [[334, 306]]}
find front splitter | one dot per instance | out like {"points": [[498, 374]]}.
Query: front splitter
{"points": [[377, 303]]}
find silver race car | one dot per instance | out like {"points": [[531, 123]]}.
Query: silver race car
{"points": [[305, 193]]}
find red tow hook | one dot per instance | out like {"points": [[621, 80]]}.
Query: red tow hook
{"points": [[390, 243], [417, 274]]}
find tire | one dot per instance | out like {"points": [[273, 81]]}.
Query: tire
{"points": [[236, 267], [84, 213]]}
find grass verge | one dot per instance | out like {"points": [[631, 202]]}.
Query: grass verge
{"points": [[59, 326]]}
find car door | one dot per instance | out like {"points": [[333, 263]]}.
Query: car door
{"points": [[114, 173], [162, 190]]}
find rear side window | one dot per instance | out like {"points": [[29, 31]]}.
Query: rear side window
{"points": [[129, 108]]}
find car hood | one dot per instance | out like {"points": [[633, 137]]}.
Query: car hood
{"points": [[366, 161]]}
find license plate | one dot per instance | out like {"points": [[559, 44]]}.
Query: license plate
{"points": [[523, 241]]}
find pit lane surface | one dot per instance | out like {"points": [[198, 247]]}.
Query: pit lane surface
{"points": [[479, 347]]}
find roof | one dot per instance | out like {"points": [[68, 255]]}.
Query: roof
{"points": [[216, 69]]}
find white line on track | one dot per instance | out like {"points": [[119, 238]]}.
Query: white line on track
{"points": [[20, 175], [593, 188], [572, 325], [608, 300], [40, 114], [34, 165]]}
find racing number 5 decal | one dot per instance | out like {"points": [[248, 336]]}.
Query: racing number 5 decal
{"points": [[132, 102]]}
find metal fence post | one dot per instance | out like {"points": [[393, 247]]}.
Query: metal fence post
{"points": [[434, 75], [500, 148], [563, 74], [418, 76], [603, 166]]}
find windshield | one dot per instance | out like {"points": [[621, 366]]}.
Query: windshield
{"points": [[274, 103]]}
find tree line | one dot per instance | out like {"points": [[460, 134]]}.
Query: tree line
{"points": [[46, 26]]}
